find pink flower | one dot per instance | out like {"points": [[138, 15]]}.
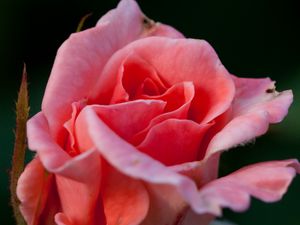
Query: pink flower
{"points": [[133, 121]]}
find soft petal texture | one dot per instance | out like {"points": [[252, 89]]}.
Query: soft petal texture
{"points": [[178, 60], [125, 200], [166, 205], [174, 141], [70, 145], [61, 219], [128, 160], [125, 119], [201, 172], [178, 99], [267, 181], [52, 207], [33, 190], [76, 177], [81, 58], [255, 106], [40, 139]]}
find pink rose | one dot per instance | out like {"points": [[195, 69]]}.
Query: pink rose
{"points": [[133, 121]]}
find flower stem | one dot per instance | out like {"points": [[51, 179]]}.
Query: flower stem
{"points": [[22, 111]]}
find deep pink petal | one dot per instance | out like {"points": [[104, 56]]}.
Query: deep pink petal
{"points": [[125, 200], [62, 219], [179, 60], [178, 99], [266, 181], [81, 58], [174, 141], [33, 190], [255, 106], [126, 119], [128, 160]]}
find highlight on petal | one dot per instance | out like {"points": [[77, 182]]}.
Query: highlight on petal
{"points": [[33, 190], [267, 181], [255, 106], [125, 200], [62, 219], [81, 58]]}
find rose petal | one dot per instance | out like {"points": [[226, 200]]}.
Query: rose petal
{"points": [[174, 141], [201, 172], [195, 60], [116, 116], [125, 200], [166, 205], [252, 111], [82, 171], [79, 199], [52, 206], [133, 163], [33, 190], [81, 58], [71, 145], [40, 140], [191, 218], [62, 219], [178, 99], [267, 181]]}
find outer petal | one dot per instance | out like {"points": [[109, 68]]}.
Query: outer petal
{"points": [[125, 200], [176, 61], [33, 190], [76, 177], [133, 163], [267, 181], [255, 106], [81, 58], [166, 205], [232, 191]]}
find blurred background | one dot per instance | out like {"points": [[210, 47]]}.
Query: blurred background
{"points": [[255, 38]]}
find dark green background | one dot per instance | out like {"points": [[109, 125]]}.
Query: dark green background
{"points": [[253, 39]]}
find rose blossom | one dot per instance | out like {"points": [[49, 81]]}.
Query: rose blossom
{"points": [[133, 121]]}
